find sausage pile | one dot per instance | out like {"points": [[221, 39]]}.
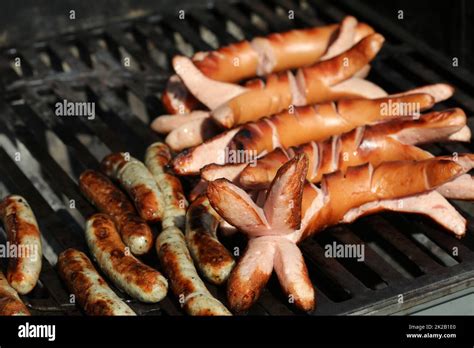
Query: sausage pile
{"points": [[130, 195], [332, 62], [282, 154], [24, 265]]}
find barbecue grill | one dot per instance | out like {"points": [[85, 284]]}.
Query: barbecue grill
{"points": [[409, 261]]}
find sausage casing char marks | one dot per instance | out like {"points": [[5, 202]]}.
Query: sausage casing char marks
{"points": [[389, 141], [316, 123], [90, 289], [185, 282], [171, 245], [10, 302], [109, 199], [309, 123], [136, 179], [273, 53], [263, 55], [311, 85], [231, 104], [127, 272], [23, 232], [343, 197], [213, 260], [385, 141], [157, 157]]}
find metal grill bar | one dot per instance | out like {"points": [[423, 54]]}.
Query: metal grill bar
{"points": [[315, 253], [373, 260], [383, 229]]}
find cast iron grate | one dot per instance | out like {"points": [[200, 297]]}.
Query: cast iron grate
{"points": [[405, 254]]}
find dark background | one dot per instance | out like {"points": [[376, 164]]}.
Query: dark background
{"points": [[445, 25]]}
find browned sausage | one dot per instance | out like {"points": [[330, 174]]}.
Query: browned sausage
{"points": [[170, 244], [10, 302], [23, 232], [123, 269], [92, 292], [102, 193], [137, 180]]}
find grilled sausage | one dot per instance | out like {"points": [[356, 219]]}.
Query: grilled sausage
{"points": [[170, 244], [251, 274], [275, 52], [157, 157], [167, 123], [90, 289], [213, 260], [210, 92], [177, 99], [125, 271], [137, 180], [262, 256], [102, 193], [192, 133], [264, 55], [197, 190], [379, 143], [275, 229], [10, 302], [295, 127], [268, 248], [365, 184], [233, 104], [23, 232], [192, 129], [185, 282], [312, 85]]}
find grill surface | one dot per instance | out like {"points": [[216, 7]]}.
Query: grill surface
{"points": [[404, 254]]}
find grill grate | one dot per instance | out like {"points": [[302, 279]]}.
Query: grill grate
{"points": [[405, 254]]}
